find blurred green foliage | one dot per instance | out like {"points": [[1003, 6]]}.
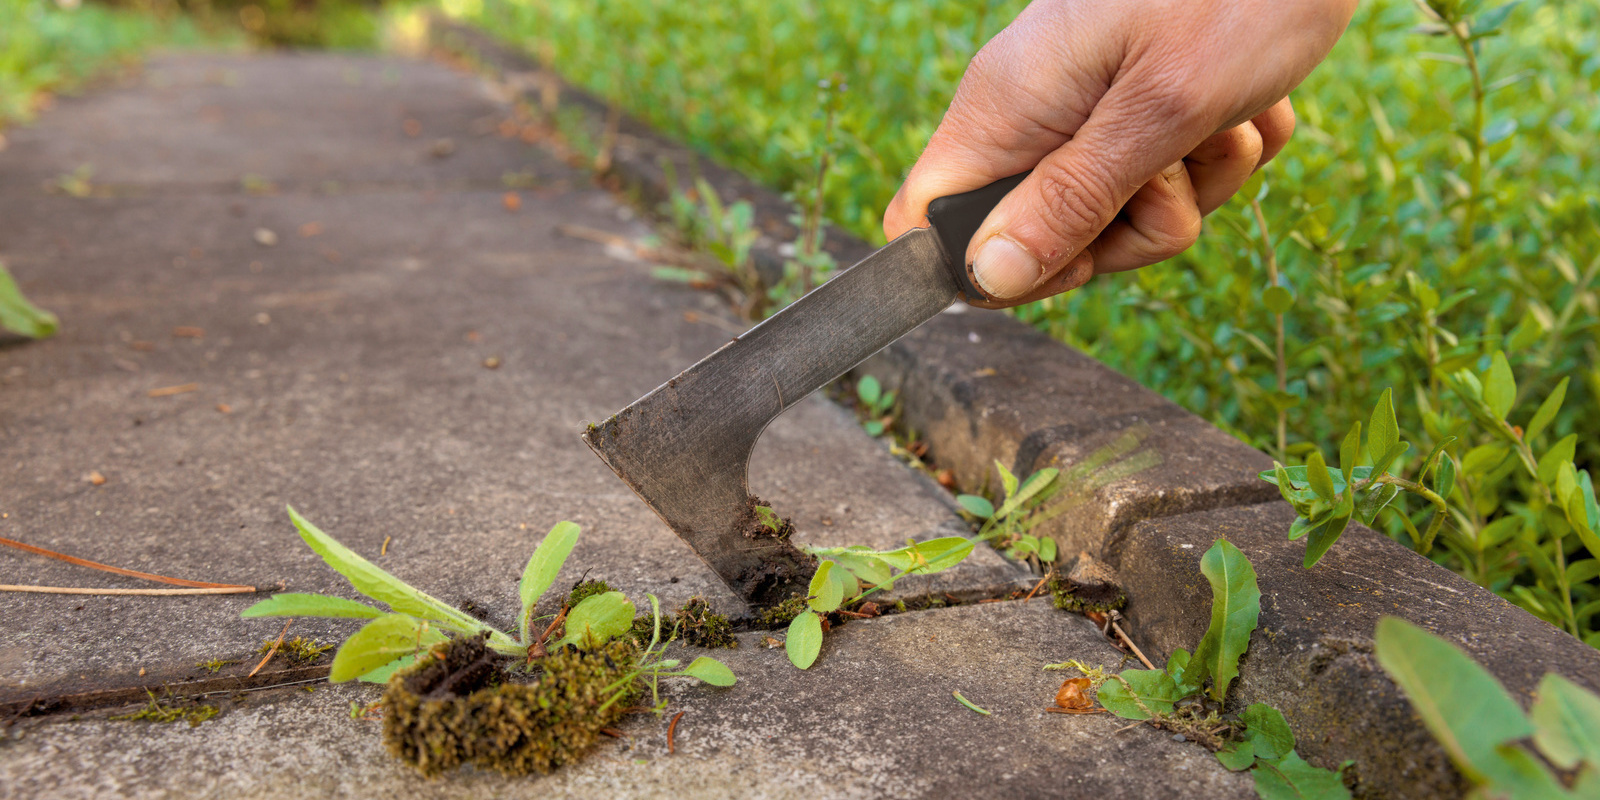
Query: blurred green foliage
{"points": [[308, 24], [49, 47], [1437, 207]]}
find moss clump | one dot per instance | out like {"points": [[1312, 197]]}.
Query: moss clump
{"points": [[157, 711], [781, 614], [700, 626], [1090, 586], [299, 649], [644, 627], [585, 589], [459, 706]]}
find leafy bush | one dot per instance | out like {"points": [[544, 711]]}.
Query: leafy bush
{"points": [[1437, 208]]}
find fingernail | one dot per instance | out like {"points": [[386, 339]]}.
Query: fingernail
{"points": [[1003, 269]]}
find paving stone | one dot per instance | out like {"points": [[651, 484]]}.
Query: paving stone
{"points": [[1312, 655], [873, 718], [355, 368]]}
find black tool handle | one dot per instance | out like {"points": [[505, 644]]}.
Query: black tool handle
{"points": [[955, 218]]}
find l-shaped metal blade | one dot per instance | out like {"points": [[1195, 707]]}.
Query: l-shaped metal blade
{"points": [[685, 447]]}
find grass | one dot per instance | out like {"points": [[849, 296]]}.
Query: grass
{"points": [[49, 47], [1435, 209]]}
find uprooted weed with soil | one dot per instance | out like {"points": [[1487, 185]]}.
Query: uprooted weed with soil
{"points": [[463, 692]]}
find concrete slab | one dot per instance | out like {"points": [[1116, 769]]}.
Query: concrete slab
{"points": [[345, 372], [873, 718]]}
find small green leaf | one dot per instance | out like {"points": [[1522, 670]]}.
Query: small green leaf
{"points": [[296, 604], [1389, 458], [1266, 726], [1547, 411], [1277, 299], [1176, 665], [370, 580], [825, 594], [379, 642], [1298, 478], [1444, 480], [1462, 705], [869, 391], [804, 640], [1323, 537], [1375, 500], [1237, 756], [383, 673], [546, 562], [1591, 507], [1007, 480], [1047, 549], [1499, 386], [20, 316], [1567, 719], [865, 567], [1123, 694], [873, 427], [710, 671], [1235, 609], [1350, 451], [943, 553], [597, 620], [1484, 458], [1383, 431], [1561, 453], [1291, 778], [1035, 484], [976, 506], [1317, 476], [848, 585], [956, 693], [1500, 531]]}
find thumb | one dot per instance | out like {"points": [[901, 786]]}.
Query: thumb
{"points": [[1047, 223]]}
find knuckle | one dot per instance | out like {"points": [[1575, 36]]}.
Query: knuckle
{"points": [[1075, 205], [1175, 236]]}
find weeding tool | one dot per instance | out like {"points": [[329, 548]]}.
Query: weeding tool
{"points": [[685, 447]]}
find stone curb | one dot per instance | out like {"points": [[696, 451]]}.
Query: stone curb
{"points": [[981, 388]]}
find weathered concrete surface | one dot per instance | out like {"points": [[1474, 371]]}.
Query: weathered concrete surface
{"points": [[1312, 655], [873, 718], [352, 364]]}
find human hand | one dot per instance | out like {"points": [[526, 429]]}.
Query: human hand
{"points": [[1137, 117]]}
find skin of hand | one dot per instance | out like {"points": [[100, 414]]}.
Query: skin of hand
{"points": [[1137, 117]]}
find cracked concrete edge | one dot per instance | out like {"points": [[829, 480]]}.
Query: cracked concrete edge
{"points": [[1312, 656]]}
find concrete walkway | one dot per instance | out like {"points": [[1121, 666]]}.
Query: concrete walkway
{"points": [[299, 280]]}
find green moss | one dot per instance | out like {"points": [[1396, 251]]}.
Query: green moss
{"points": [[460, 706], [700, 626], [214, 664], [644, 627], [299, 649], [1100, 598], [585, 589], [159, 712], [781, 614]]}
